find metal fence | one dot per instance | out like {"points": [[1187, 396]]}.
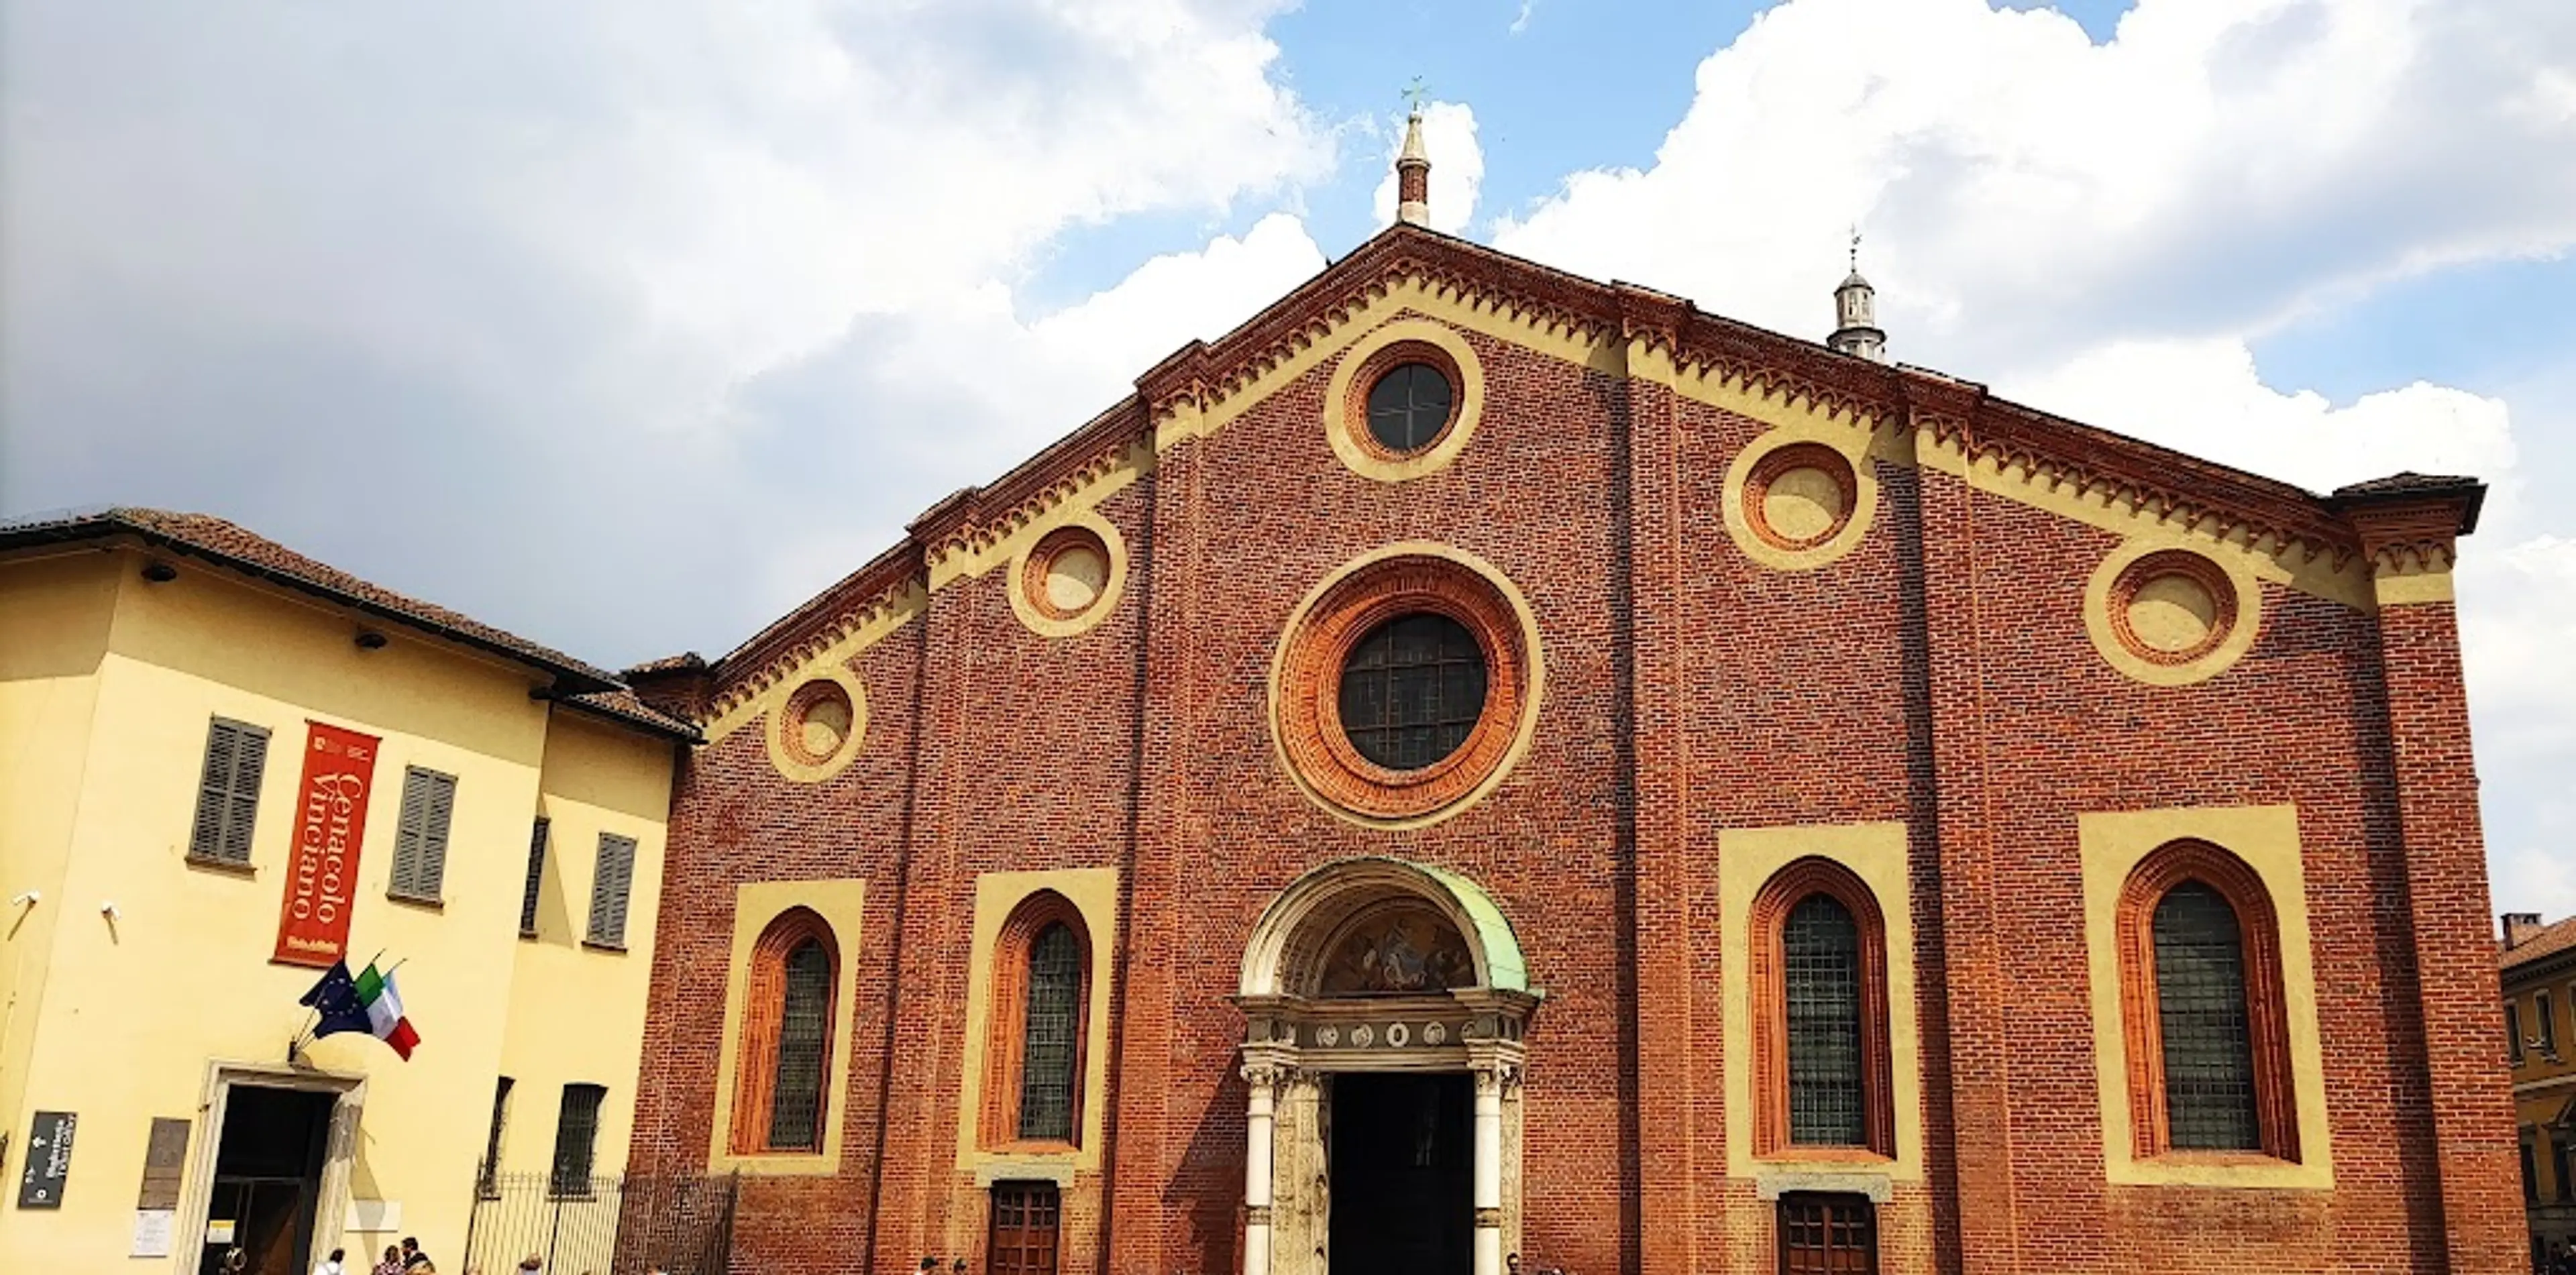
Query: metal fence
{"points": [[618, 1225]]}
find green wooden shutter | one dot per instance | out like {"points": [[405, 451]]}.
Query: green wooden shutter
{"points": [[433, 833], [610, 884], [228, 792], [536, 879], [407, 826], [250, 762], [420, 834]]}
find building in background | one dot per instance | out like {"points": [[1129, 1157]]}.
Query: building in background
{"points": [[1481, 764], [2539, 971], [222, 767]]}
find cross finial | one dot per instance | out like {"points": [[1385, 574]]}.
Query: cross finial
{"points": [[1413, 95], [1855, 248]]}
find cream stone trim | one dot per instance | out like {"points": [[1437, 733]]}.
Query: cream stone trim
{"points": [[988, 545], [842, 905], [1747, 859], [2247, 626], [2412, 584], [1522, 734], [1356, 455], [1854, 449], [1094, 893], [853, 635], [2107, 505], [1015, 582], [785, 760], [2266, 838]]}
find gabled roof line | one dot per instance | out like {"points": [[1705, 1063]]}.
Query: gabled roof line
{"points": [[2053, 452]]}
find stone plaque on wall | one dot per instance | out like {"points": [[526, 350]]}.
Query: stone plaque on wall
{"points": [[165, 1161]]}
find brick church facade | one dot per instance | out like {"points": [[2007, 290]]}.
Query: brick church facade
{"points": [[1482, 770]]}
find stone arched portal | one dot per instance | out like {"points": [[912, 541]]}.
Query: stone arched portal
{"points": [[1366, 968]]}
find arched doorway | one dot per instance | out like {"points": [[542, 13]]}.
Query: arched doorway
{"points": [[1385, 1005]]}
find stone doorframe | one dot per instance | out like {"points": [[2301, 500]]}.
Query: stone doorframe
{"points": [[197, 1194], [1295, 1040]]}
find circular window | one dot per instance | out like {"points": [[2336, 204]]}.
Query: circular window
{"points": [[1405, 686], [1067, 580], [818, 723], [1068, 573], [1409, 407], [1412, 690], [1800, 496], [2172, 607]]}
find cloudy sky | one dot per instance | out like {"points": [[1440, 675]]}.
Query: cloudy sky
{"points": [[629, 326]]}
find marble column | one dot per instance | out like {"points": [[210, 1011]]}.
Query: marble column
{"points": [[1489, 1170], [1262, 1105]]}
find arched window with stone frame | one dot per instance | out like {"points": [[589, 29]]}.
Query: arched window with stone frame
{"points": [[1822, 1075], [784, 1055], [1039, 1013], [2202, 1010]]}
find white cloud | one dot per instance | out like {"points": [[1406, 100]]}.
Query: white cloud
{"points": [[970, 388], [2219, 167], [1457, 166], [535, 264], [2203, 396]]}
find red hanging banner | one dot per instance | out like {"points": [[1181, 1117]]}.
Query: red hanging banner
{"points": [[322, 871]]}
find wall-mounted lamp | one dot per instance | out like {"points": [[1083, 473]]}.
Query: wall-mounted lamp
{"points": [[107, 909], [27, 899], [370, 640], [160, 572]]}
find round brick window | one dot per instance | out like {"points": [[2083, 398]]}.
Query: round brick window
{"points": [[1800, 496], [1067, 573], [2172, 607], [818, 723], [1403, 687]]}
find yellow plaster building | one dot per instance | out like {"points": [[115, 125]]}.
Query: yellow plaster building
{"points": [[170, 687], [2539, 975]]}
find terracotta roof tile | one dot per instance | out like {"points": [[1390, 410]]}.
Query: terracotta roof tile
{"points": [[2550, 941], [228, 544], [624, 706]]}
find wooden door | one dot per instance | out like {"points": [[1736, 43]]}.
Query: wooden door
{"points": [[1025, 1225], [1828, 1235]]}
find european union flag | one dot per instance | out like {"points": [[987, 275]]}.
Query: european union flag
{"points": [[335, 997]]}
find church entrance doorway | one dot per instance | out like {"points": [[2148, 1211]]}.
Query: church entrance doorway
{"points": [[1402, 1172]]}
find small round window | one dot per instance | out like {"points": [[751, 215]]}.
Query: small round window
{"points": [[1412, 690], [1408, 408]]}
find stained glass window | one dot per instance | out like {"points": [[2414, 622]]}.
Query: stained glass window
{"points": [[804, 1025], [1822, 967], [1047, 1045], [2208, 1042], [1408, 407], [1412, 690]]}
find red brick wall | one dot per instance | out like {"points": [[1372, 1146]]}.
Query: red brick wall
{"points": [[1939, 674]]}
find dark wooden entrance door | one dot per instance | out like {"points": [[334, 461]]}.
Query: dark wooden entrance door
{"points": [[1828, 1235], [1026, 1223], [268, 1178], [1402, 1163]]}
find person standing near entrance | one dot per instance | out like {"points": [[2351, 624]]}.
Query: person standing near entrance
{"points": [[412, 1258], [393, 1263], [331, 1265]]}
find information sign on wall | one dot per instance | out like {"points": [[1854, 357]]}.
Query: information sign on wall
{"points": [[49, 1160], [322, 870]]}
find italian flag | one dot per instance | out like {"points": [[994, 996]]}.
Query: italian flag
{"points": [[367, 1003], [383, 1002]]}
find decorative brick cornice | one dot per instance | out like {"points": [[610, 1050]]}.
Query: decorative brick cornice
{"points": [[2044, 460]]}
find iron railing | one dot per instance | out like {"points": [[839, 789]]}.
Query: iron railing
{"points": [[632, 1224]]}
